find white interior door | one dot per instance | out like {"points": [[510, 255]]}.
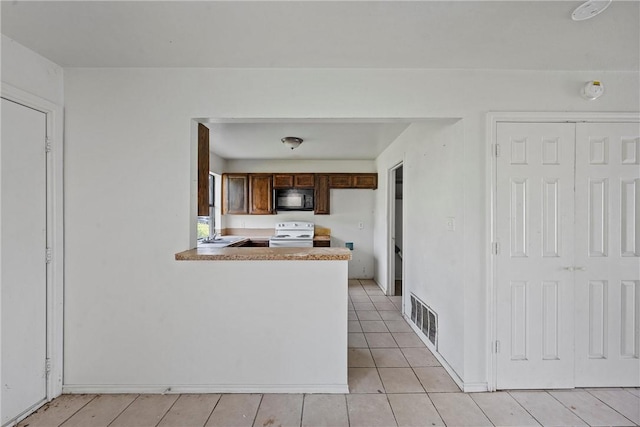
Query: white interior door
{"points": [[534, 283], [607, 254], [23, 276]]}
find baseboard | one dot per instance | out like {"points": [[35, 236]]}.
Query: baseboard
{"points": [[466, 387], [475, 387], [204, 388], [25, 414]]}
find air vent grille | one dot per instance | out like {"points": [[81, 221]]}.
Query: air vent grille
{"points": [[425, 319]]}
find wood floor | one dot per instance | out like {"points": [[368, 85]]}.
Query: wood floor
{"points": [[393, 380]]}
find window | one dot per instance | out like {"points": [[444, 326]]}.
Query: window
{"points": [[206, 224]]}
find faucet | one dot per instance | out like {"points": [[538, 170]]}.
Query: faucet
{"points": [[215, 237]]}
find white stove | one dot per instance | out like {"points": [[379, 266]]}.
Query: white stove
{"points": [[293, 234]]}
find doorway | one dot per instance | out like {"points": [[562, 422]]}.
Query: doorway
{"points": [[396, 270]]}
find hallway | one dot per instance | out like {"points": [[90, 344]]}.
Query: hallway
{"points": [[394, 380]]}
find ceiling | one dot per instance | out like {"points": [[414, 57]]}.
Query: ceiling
{"points": [[517, 34], [534, 35], [326, 140]]}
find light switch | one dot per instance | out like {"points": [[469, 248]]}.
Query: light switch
{"points": [[451, 224], [361, 225]]}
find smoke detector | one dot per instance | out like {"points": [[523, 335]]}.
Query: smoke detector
{"points": [[592, 90], [590, 9]]}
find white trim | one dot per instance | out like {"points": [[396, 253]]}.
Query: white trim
{"points": [[391, 229], [55, 230], [465, 387], [205, 388], [25, 414], [475, 388], [493, 118], [561, 117]]}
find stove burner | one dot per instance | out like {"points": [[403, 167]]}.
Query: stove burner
{"points": [[304, 236], [281, 236]]}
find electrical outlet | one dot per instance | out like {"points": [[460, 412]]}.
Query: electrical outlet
{"points": [[361, 225]]}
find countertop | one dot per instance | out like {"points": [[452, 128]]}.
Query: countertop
{"points": [[264, 254]]}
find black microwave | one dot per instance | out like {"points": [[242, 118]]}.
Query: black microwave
{"points": [[293, 199]]}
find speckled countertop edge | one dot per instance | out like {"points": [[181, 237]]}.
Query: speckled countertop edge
{"points": [[264, 254]]}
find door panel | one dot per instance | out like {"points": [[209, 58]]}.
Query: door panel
{"points": [[535, 232], [23, 276], [607, 254]]}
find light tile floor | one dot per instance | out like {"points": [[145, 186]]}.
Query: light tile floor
{"points": [[394, 380]]}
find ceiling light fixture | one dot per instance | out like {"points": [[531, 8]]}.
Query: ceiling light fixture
{"points": [[292, 141], [590, 9]]}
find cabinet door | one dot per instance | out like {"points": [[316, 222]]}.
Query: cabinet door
{"points": [[235, 188], [321, 195], [203, 170], [303, 180], [340, 180], [283, 180], [260, 194], [366, 180]]}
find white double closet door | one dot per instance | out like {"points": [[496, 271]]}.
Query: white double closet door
{"points": [[568, 267]]}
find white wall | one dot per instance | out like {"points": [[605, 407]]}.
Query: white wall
{"points": [[433, 257], [218, 326], [216, 163], [348, 208], [129, 178]]}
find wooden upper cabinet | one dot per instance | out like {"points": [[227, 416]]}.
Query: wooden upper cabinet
{"points": [[203, 170], [293, 180], [304, 180], [321, 195], [353, 180], [282, 180], [253, 193], [340, 180], [260, 194], [365, 180], [235, 193]]}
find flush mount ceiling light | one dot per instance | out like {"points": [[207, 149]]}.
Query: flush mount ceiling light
{"points": [[291, 141], [590, 9]]}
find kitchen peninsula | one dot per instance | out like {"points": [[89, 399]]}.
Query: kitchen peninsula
{"points": [[264, 254], [280, 319]]}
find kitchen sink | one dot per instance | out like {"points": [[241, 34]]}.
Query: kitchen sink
{"points": [[220, 242]]}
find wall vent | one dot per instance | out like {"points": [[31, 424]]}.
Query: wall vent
{"points": [[425, 319]]}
